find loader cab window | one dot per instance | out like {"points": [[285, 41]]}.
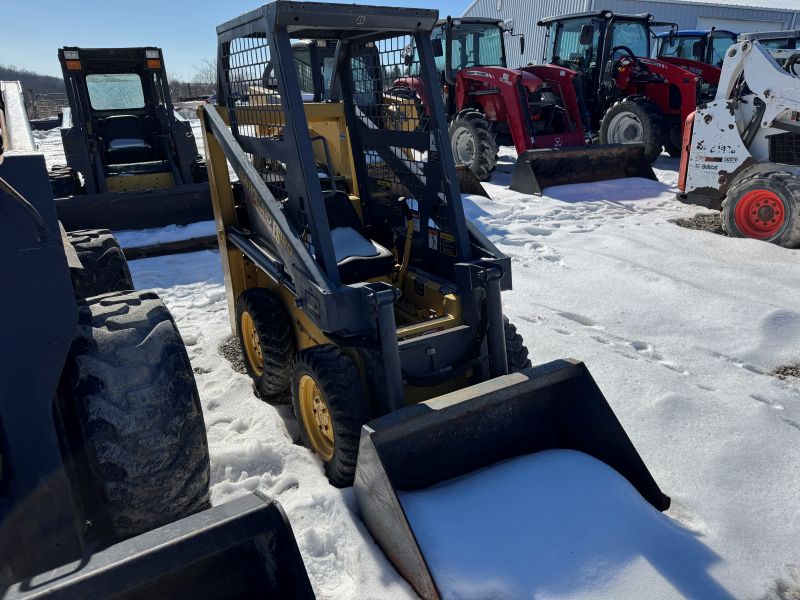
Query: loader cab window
{"points": [[720, 42], [688, 47], [567, 49], [632, 34], [115, 91], [476, 45]]}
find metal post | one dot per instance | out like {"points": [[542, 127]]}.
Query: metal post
{"points": [[496, 334], [384, 297]]}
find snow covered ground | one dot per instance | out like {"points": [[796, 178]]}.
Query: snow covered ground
{"points": [[680, 328]]}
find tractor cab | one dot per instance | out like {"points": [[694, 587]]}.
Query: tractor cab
{"points": [[597, 45], [124, 135], [703, 46], [468, 42], [611, 54]]}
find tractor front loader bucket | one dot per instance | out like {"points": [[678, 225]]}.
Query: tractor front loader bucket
{"points": [[553, 406], [538, 169], [468, 183], [241, 549]]}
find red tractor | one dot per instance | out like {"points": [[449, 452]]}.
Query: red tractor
{"points": [[488, 103], [629, 97]]}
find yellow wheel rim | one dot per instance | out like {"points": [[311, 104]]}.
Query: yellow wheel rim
{"points": [[252, 346], [316, 417]]}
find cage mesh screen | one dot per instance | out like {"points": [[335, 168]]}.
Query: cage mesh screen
{"points": [[785, 148], [255, 105], [382, 101]]}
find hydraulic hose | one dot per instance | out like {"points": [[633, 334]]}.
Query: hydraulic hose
{"points": [[35, 215]]}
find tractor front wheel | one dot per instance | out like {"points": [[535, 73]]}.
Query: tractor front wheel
{"points": [[474, 142], [635, 120], [331, 406], [764, 206]]}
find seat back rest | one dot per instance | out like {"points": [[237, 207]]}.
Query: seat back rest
{"points": [[118, 127], [341, 212]]}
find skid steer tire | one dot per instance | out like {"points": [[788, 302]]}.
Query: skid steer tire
{"points": [[516, 351], [105, 268], [64, 182], [138, 413], [635, 120], [474, 142], [329, 398], [265, 335], [764, 206]]}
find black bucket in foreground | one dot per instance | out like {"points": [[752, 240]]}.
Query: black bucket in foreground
{"points": [[553, 406], [538, 169], [242, 549]]}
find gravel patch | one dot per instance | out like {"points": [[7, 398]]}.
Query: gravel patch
{"points": [[232, 351], [711, 222], [787, 371]]}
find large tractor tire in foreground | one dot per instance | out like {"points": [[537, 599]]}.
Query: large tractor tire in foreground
{"points": [[764, 206], [474, 142], [105, 268], [138, 413], [265, 335], [635, 120], [331, 406]]}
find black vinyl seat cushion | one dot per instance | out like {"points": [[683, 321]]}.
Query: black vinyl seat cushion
{"points": [[124, 138], [358, 257]]}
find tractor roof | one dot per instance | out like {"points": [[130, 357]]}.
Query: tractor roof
{"points": [[770, 35], [319, 20], [109, 53], [603, 14], [487, 20], [693, 33]]}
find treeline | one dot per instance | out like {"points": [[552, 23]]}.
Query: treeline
{"points": [[34, 83]]}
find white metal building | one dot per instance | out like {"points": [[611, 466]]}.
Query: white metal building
{"points": [[740, 16]]}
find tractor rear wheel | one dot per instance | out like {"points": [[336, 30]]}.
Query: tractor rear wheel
{"points": [[104, 266], [764, 206], [516, 351], [138, 413], [331, 406], [673, 142], [265, 335], [474, 142], [635, 120]]}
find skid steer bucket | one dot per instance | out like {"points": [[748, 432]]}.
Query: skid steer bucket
{"points": [[468, 183], [241, 549], [553, 406], [538, 169]]}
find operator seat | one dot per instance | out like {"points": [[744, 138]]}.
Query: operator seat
{"points": [[124, 139], [358, 257]]}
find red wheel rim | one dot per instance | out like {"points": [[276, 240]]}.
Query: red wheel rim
{"points": [[759, 214]]}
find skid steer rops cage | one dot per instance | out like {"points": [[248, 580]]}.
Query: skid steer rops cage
{"points": [[354, 280]]}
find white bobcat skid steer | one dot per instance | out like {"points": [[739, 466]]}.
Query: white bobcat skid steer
{"points": [[741, 152]]}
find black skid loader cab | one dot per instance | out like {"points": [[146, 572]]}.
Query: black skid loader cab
{"points": [[125, 134]]}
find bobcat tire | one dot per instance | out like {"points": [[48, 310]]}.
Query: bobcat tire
{"points": [[764, 206], [516, 351], [635, 120], [474, 143], [331, 406], [105, 268], [265, 335], [64, 182], [138, 413]]}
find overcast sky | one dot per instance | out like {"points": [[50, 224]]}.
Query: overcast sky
{"points": [[185, 30]]}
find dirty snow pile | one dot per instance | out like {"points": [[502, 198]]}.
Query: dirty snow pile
{"points": [[680, 328]]}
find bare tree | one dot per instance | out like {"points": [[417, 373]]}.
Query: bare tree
{"points": [[206, 71]]}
